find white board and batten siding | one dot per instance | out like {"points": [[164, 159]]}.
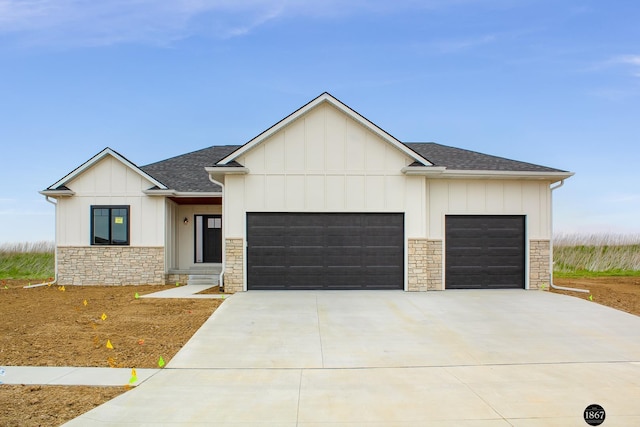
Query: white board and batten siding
{"points": [[489, 197], [327, 162], [110, 182], [324, 162]]}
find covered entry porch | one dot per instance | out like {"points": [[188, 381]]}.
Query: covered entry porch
{"points": [[194, 240]]}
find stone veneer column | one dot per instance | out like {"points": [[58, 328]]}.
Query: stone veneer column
{"points": [[110, 265], [539, 262], [435, 265], [234, 265], [424, 269]]}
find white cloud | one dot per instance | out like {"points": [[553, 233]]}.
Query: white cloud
{"points": [[106, 22], [160, 22], [629, 59], [633, 60], [626, 60], [628, 63], [463, 44]]}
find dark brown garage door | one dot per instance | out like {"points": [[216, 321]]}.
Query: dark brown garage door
{"points": [[484, 251], [325, 251]]}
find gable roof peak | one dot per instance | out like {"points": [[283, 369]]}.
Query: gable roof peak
{"points": [[344, 108], [107, 151]]}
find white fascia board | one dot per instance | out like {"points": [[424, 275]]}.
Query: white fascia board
{"points": [[151, 192], [423, 170], [57, 193], [484, 174], [95, 159], [229, 170], [198, 194], [325, 97], [174, 193]]}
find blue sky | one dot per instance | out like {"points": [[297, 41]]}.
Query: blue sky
{"points": [[549, 82]]}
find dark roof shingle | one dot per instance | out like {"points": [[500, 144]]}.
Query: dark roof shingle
{"points": [[461, 159], [185, 173]]}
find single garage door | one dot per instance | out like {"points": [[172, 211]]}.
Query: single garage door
{"points": [[325, 251], [484, 251]]}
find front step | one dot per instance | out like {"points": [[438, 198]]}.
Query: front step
{"points": [[203, 279]]}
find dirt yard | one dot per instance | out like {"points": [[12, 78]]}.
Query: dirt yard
{"points": [[622, 293], [49, 327], [46, 326]]}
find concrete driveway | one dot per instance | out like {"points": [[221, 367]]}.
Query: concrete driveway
{"points": [[390, 358]]}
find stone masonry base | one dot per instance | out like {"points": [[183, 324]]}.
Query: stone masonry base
{"points": [[539, 263], [110, 265], [173, 278], [233, 272], [424, 269]]}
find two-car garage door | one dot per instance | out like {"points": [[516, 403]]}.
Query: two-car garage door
{"points": [[325, 251], [366, 251]]}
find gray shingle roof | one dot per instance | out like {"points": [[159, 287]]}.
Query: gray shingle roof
{"points": [[185, 173], [460, 159]]}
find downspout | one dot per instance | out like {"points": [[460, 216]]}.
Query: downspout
{"points": [[55, 254], [560, 288], [224, 244]]}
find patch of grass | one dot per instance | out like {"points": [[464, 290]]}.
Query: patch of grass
{"points": [[596, 255], [27, 260]]}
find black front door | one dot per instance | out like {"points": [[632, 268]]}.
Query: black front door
{"points": [[208, 238]]}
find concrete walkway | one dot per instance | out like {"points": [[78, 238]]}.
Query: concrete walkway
{"points": [[46, 375], [367, 358], [186, 291]]}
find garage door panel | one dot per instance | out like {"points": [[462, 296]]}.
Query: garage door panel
{"points": [[344, 241], [375, 261], [325, 251], [484, 251]]}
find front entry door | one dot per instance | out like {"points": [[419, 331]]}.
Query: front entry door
{"points": [[208, 238]]}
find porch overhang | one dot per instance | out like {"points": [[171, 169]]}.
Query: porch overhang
{"points": [[174, 193]]}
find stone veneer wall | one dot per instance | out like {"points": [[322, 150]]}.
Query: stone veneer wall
{"points": [[173, 278], [424, 269], [110, 265], [539, 262], [233, 266]]}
